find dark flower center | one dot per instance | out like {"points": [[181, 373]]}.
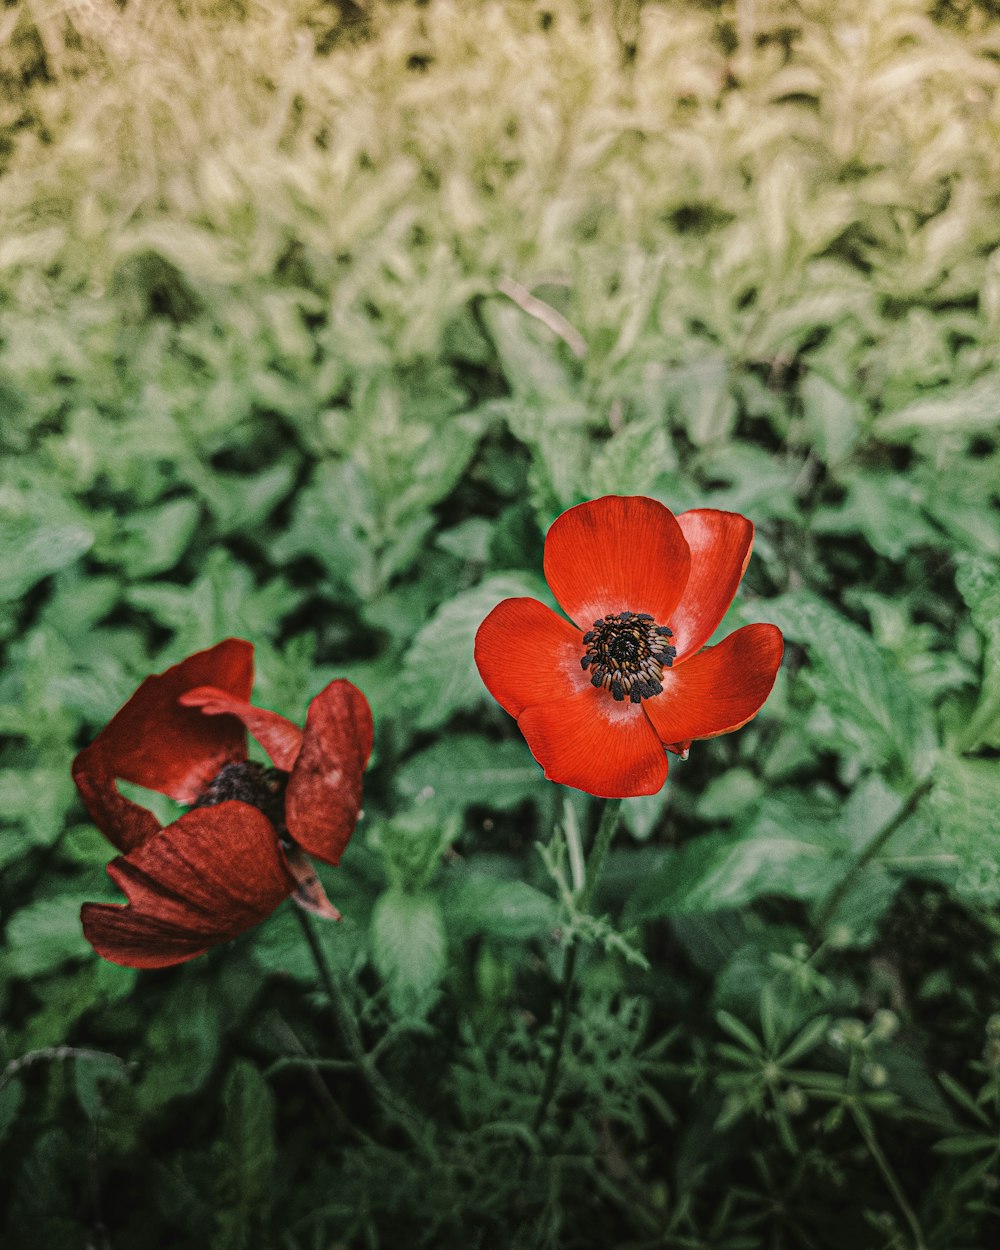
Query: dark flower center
{"points": [[627, 653], [247, 782]]}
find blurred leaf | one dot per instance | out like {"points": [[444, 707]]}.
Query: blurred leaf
{"points": [[960, 410], [632, 459], [245, 1158], [223, 601], [44, 935], [886, 509], [89, 1074], [11, 1098], [409, 949], [31, 550], [478, 904], [155, 539]]}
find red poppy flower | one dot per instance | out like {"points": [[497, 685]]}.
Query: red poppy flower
{"points": [[230, 860], [599, 700]]}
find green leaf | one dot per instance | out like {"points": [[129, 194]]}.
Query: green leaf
{"points": [[32, 549], [786, 850], [475, 904], [870, 707], [225, 600], [831, 416], [409, 949], [45, 935], [463, 770], [244, 1159], [978, 580], [965, 802], [155, 538], [964, 410], [632, 459], [529, 353], [439, 673]]}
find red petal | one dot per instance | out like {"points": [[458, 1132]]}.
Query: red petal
{"points": [[124, 823], [324, 790], [206, 878], [719, 689], [527, 654], [279, 737], [619, 552], [591, 742], [720, 544], [154, 742]]}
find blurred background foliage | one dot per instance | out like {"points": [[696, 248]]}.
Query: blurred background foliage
{"points": [[313, 316]]}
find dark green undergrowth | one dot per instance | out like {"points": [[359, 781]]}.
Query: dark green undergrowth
{"points": [[313, 317]]}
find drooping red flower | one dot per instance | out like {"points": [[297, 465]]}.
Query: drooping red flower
{"points": [[601, 699], [228, 862]]}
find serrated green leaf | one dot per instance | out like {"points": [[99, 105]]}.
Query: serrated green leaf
{"points": [[965, 801], [787, 849], [869, 704], [978, 580]]}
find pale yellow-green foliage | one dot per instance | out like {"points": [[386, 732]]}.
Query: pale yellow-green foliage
{"points": [[677, 199]]}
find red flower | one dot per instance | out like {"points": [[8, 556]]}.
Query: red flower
{"points": [[599, 700], [227, 863]]}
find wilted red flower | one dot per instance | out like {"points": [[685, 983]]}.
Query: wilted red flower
{"points": [[227, 863], [599, 700]]}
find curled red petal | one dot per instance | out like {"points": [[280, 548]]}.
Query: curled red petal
{"points": [[593, 743], [204, 879], [324, 791], [527, 654], [614, 553], [720, 544], [155, 742], [125, 824], [720, 688], [281, 739]]}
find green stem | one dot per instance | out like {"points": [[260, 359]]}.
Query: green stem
{"points": [[394, 1106], [871, 851], [595, 862], [889, 1176]]}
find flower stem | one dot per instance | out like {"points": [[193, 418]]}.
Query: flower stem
{"points": [[871, 851], [395, 1107], [595, 862], [889, 1176]]}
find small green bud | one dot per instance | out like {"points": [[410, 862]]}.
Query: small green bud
{"points": [[885, 1025], [794, 1100], [875, 1075]]}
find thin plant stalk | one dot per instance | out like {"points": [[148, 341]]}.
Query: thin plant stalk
{"points": [[394, 1106], [595, 863]]}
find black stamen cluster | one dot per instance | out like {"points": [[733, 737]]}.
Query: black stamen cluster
{"points": [[627, 653], [248, 782]]}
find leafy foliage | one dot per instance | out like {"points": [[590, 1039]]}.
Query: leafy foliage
{"points": [[312, 318]]}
